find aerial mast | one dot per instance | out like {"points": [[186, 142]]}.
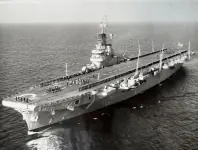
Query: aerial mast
{"points": [[102, 35], [161, 57], [103, 25], [189, 50], [153, 48], [139, 53], [66, 70]]}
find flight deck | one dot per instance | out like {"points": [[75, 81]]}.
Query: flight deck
{"points": [[39, 95]]}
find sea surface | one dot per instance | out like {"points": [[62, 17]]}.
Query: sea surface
{"points": [[163, 118]]}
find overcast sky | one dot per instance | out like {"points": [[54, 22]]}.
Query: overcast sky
{"points": [[55, 11]]}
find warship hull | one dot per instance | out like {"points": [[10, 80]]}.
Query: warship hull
{"points": [[46, 118], [109, 79]]}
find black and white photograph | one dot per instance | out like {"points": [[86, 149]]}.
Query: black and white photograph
{"points": [[98, 75]]}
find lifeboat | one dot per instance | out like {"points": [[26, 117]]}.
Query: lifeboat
{"points": [[132, 83], [165, 66], [107, 90], [141, 77], [124, 85], [155, 73], [94, 92], [172, 65], [70, 107]]}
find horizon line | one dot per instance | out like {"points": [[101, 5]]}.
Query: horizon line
{"points": [[98, 22]]}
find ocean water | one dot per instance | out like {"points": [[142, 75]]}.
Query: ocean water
{"points": [[168, 119]]}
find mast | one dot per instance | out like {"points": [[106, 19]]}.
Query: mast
{"points": [[189, 50], [161, 57], [153, 48], [102, 35], [66, 69], [137, 66], [103, 25]]}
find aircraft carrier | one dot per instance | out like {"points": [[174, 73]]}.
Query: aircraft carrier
{"points": [[108, 79]]}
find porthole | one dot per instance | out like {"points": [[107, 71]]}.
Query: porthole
{"points": [[77, 102]]}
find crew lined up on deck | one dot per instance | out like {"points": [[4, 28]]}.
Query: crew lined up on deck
{"points": [[46, 83], [54, 89], [77, 81]]}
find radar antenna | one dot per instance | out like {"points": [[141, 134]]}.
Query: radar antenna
{"points": [[103, 24]]}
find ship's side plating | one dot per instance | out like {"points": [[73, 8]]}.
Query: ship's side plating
{"points": [[36, 116], [70, 96], [45, 118]]}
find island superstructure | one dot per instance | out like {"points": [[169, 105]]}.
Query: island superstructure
{"points": [[109, 79], [103, 55]]}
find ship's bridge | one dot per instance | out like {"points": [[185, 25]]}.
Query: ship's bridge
{"points": [[97, 58], [100, 46], [97, 51]]}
